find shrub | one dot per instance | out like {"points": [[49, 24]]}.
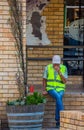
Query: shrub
{"points": [[35, 98]]}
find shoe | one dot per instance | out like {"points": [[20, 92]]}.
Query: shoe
{"points": [[58, 124]]}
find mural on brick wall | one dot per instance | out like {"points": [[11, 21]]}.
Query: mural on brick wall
{"points": [[36, 23]]}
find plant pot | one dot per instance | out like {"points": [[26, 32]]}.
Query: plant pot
{"points": [[25, 117]]}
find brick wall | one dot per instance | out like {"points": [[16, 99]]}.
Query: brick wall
{"points": [[72, 120], [72, 101], [8, 67]]}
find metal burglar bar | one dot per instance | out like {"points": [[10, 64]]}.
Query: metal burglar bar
{"points": [[74, 36], [80, 15], [49, 59]]}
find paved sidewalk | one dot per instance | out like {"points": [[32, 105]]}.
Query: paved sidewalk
{"points": [[50, 129]]}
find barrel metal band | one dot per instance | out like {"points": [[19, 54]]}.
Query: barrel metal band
{"points": [[25, 121], [25, 114], [28, 126]]}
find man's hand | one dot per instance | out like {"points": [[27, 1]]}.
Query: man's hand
{"points": [[45, 92], [56, 67]]}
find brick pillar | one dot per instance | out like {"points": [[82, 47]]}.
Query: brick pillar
{"points": [[72, 120]]}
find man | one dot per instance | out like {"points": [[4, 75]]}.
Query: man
{"points": [[54, 80]]}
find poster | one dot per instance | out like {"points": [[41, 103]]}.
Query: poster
{"points": [[36, 23]]}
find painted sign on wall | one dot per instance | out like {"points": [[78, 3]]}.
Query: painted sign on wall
{"points": [[36, 23]]}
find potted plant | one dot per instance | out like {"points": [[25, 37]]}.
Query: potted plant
{"points": [[25, 113]]}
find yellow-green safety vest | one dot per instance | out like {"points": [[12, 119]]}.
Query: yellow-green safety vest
{"points": [[55, 82]]}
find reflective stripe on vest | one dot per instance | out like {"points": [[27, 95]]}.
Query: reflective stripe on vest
{"points": [[51, 80], [54, 87], [55, 82]]}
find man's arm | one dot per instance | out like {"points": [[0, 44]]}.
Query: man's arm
{"points": [[45, 80], [44, 86], [64, 80], [63, 76]]}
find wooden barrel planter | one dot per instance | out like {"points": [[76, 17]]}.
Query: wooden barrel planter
{"points": [[25, 117]]}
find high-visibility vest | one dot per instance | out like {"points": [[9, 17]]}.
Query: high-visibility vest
{"points": [[54, 81]]}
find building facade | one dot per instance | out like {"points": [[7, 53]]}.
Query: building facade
{"points": [[48, 30]]}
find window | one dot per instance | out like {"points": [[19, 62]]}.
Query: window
{"points": [[74, 35]]}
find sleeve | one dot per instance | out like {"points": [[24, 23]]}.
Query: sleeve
{"points": [[45, 74]]}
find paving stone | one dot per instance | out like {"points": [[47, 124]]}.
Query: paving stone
{"points": [[50, 129]]}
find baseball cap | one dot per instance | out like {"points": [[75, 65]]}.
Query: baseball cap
{"points": [[56, 59]]}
